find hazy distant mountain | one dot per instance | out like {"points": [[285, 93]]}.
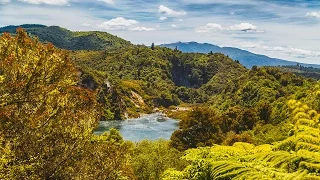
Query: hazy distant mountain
{"points": [[246, 58], [95, 40]]}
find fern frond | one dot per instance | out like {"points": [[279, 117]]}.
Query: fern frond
{"points": [[303, 129], [312, 177], [288, 144], [312, 113], [244, 146], [308, 139], [295, 158], [308, 146], [299, 113], [311, 167], [309, 155], [305, 121], [263, 148]]}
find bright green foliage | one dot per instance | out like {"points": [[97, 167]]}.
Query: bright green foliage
{"points": [[65, 39], [296, 157], [309, 72], [205, 127], [168, 77], [151, 158], [45, 118], [268, 133], [105, 157], [200, 129], [165, 77]]}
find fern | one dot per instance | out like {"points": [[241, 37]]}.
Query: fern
{"points": [[297, 157]]}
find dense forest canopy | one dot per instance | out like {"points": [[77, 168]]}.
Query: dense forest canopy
{"points": [[248, 59], [65, 39], [259, 123]]}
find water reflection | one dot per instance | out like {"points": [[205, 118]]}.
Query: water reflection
{"points": [[152, 127]]}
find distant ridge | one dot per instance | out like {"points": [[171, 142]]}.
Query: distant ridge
{"points": [[12, 29], [96, 40], [246, 58], [66, 39]]}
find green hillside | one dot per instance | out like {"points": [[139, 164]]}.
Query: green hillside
{"points": [[65, 39], [308, 72], [135, 79], [160, 76], [164, 78], [246, 58], [238, 123]]}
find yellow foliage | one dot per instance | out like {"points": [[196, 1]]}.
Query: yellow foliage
{"points": [[45, 118]]}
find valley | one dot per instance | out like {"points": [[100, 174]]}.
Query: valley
{"points": [[84, 95]]}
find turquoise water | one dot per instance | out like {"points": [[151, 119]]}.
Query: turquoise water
{"points": [[152, 127]]}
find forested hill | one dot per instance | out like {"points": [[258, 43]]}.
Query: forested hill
{"points": [[137, 79], [246, 58], [49, 109], [143, 78], [133, 79], [65, 39], [298, 69]]}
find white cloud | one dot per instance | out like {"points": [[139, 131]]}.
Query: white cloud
{"points": [[121, 23], [174, 26], [210, 27], [108, 1], [244, 27], [4, 1], [170, 12], [86, 24], [301, 53], [142, 29], [252, 45], [313, 14], [163, 18], [285, 50], [50, 2], [179, 20], [118, 23]]}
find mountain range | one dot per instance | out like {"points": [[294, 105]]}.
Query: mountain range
{"points": [[246, 58], [96, 40]]}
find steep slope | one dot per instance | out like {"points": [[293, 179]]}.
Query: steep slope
{"points": [[66, 39], [161, 76], [246, 58]]}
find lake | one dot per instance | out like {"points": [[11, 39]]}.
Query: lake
{"points": [[152, 127]]}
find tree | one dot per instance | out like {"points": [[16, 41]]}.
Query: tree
{"points": [[238, 119], [254, 68], [152, 46], [199, 129], [152, 158], [264, 111], [105, 157], [296, 157], [45, 117]]}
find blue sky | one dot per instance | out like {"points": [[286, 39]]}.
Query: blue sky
{"points": [[288, 29]]}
